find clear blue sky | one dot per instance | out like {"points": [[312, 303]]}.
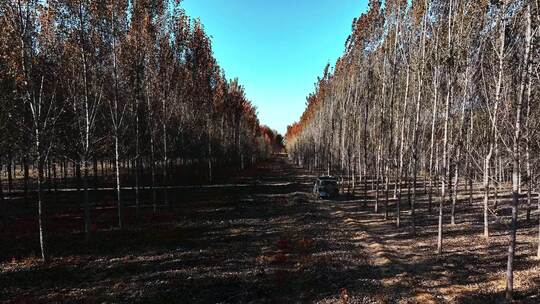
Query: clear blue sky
{"points": [[277, 48]]}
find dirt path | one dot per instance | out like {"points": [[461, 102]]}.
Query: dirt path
{"points": [[267, 241], [470, 270]]}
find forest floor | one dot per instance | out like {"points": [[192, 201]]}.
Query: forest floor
{"points": [[267, 241]]}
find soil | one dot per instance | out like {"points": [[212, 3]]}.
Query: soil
{"points": [[263, 239]]}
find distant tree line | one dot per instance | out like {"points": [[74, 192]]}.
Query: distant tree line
{"points": [[443, 91], [129, 86]]}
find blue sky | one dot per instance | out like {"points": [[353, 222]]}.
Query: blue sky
{"points": [[276, 48]]}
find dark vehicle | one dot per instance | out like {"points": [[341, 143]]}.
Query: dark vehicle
{"points": [[326, 187]]}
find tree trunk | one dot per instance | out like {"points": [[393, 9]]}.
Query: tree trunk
{"points": [[516, 161], [432, 145], [377, 188], [95, 168], [26, 177], [528, 142], [417, 121], [366, 117], [209, 159], [486, 195], [137, 164], [87, 220], [1, 183], [165, 160], [513, 224], [64, 172], [401, 150], [529, 182], [78, 177], [496, 178], [446, 169], [153, 172], [47, 180], [118, 186], [41, 206], [9, 171], [454, 193], [386, 179], [55, 181], [445, 175]]}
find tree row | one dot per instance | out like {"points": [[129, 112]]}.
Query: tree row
{"points": [[129, 84], [436, 98]]}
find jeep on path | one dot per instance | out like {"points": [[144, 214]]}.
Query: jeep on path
{"points": [[326, 187]]}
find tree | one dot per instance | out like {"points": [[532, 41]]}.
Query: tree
{"points": [[117, 104], [516, 151], [465, 51]]}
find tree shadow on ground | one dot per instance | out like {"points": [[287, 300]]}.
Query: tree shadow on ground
{"points": [[264, 244]]}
